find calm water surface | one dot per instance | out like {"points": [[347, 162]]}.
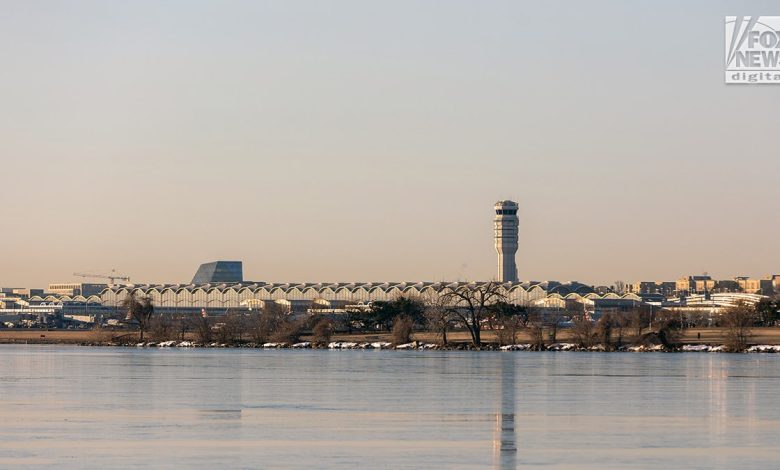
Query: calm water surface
{"points": [[81, 407]]}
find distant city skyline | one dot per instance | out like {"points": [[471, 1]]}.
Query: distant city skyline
{"points": [[358, 141]]}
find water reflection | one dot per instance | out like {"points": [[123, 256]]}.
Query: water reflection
{"points": [[504, 438], [214, 408]]}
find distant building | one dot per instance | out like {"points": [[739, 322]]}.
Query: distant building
{"points": [[695, 284], [612, 305], [706, 285], [505, 233], [653, 299], [9, 302], [28, 292], [776, 282], [22, 292], [727, 285], [219, 272], [755, 286], [602, 290], [76, 289], [301, 297], [665, 288]]}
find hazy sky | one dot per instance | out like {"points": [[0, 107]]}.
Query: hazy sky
{"points": [[366, 141]]}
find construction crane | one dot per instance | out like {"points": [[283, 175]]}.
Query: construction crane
{"points": [[113, 276]]}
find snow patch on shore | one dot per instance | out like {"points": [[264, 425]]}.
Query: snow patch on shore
{"points": [[764, 348], [516, 347]]}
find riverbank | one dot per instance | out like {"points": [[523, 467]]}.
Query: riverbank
{"points": [[695, 339]]}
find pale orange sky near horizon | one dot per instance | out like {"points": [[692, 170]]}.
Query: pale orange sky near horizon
{"points": [[368, 141]]}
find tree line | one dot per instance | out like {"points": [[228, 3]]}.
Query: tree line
{"points": [[470, 308]]}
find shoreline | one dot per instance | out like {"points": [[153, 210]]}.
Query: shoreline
{"points": [[413, 346], [765, 340]]}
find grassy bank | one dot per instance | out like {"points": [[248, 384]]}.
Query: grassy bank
{"points": [[711, 336]]}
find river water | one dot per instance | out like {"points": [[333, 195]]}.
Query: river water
{"points": [[81, 407]]}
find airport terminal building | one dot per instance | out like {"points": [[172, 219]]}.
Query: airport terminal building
{"points": [[220, 286]]}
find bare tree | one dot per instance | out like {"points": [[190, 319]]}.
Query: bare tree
{"points": [[289, 330], [738, 320], [232, 328], [161, 327], [202, 326], [470, 305], [383, 313], [604, 328], [510, 319], [639, 318], [322, 331], [669, 325], [138, 310], [551, 322], [619, 322], [273, 323], [508, 330], [437, 316], [768, 311], [402, 329], [584, 331], [535, 328], [183, 323], [353, 318], [266, 322]]}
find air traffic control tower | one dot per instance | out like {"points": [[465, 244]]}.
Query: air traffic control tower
{"points": [[505, 228]]}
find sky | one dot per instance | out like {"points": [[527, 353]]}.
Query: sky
{"points": [[368, 141]]}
